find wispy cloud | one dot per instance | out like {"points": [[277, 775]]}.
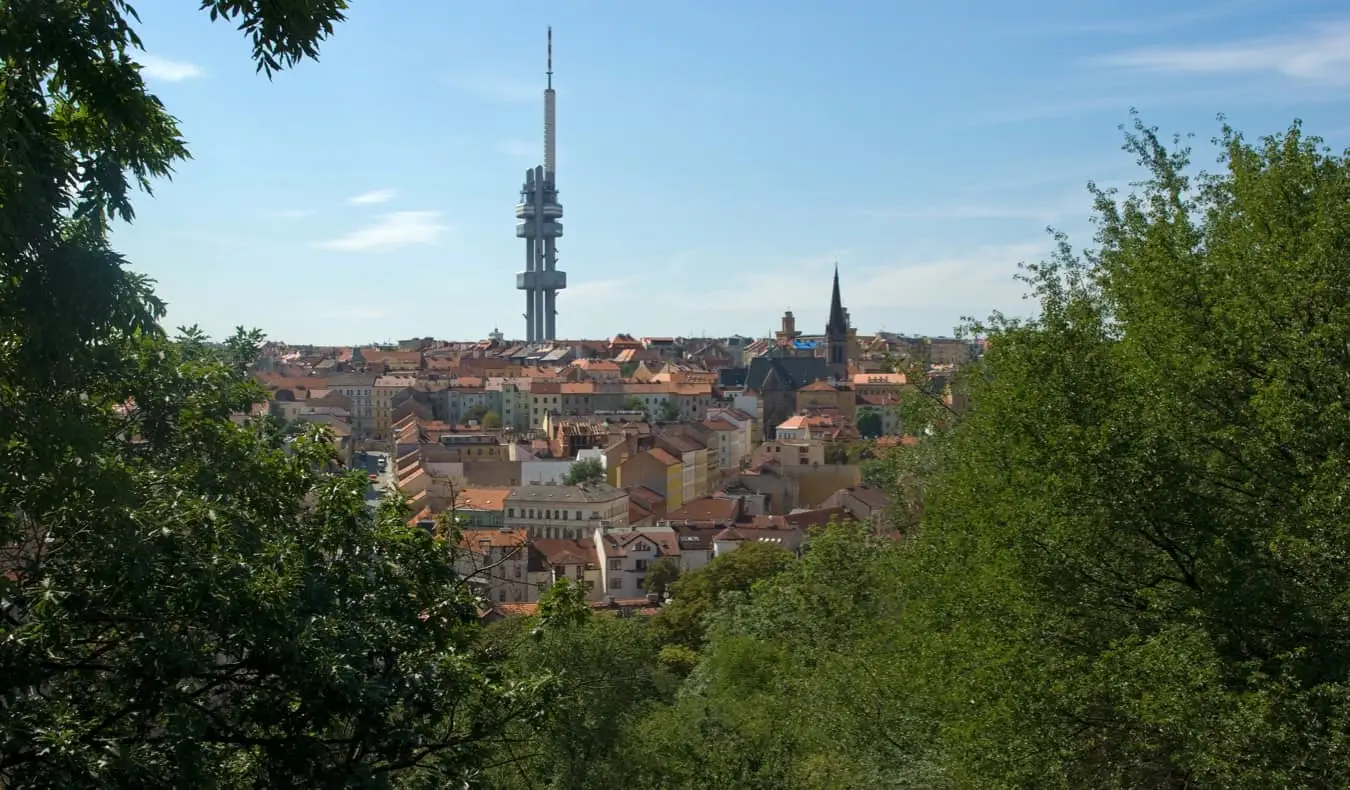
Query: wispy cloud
{"points": [[520, 149], [372, 197], [1146, 99], [500, 88], [1044, 209], [964, 280], [1321, 54], [1140, 24], [329, 311], [912, 291], [392, 231], [595, 290], [154, 67], [969, 211], [1051, 174]]}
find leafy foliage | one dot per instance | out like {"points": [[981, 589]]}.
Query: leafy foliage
{"points": [[191, 597], [661, 574], [587, 470], [601, 671], [695, 594], [1133, 549], [870, 425], [669, 411]]}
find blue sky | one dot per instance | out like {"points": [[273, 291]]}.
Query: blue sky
{"points": [[715, 157]]}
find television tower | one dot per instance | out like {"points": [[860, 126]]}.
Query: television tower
{"points": [[538, 216]]}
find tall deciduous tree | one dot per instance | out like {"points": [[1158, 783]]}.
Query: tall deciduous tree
{"points": [[1134, 559], [188, 600]]}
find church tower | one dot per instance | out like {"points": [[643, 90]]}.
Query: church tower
{"points": [[837, 334]]}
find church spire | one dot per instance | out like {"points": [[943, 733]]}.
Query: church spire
{"points": [[838, 323]]}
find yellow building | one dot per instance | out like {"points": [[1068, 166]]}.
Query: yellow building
{"points": [[658, 470]]}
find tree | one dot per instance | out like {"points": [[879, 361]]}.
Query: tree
{"points": [[181, 590], [1131, 561], [492, 420], [661, 574], [563, 605], [800, 679], [632, 403], [669, 411], [601, 671], [476, 414], [870, 425], [695, 594], [587, 470]]}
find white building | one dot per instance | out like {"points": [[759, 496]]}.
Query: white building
{"points": [[555, 511]]}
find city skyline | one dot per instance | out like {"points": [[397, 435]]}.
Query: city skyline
{"points": [[718, 161]]}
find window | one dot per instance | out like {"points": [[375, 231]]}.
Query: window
{"points": [[578, 515], [510, 512], [501, 596], [642, 565], [616, 583], [616, 564], [517, 570]]}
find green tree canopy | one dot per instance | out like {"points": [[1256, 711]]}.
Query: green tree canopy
{"points": [[587, 470], [669, 411], [870, 425], [601, 671], [695, 594], [189, 600], [661, 574], [1133, 558]]}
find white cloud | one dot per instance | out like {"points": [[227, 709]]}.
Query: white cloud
{"points": [[330, 311], [972, 211], [521, 149], [1059, 205], [1141, 24], [165, 70], [971, 280], [390, 232], [500, 88], [372, 197], [1322, 54], [595, 290]]}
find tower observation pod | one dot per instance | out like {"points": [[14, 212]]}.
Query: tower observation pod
{"points": [[539, 223]]}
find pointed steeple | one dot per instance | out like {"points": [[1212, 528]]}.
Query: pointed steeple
{"points": [[838, 323]]}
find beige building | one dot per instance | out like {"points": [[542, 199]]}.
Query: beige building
{"points": [[549, 511], [383, 394], [360, 388]]}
